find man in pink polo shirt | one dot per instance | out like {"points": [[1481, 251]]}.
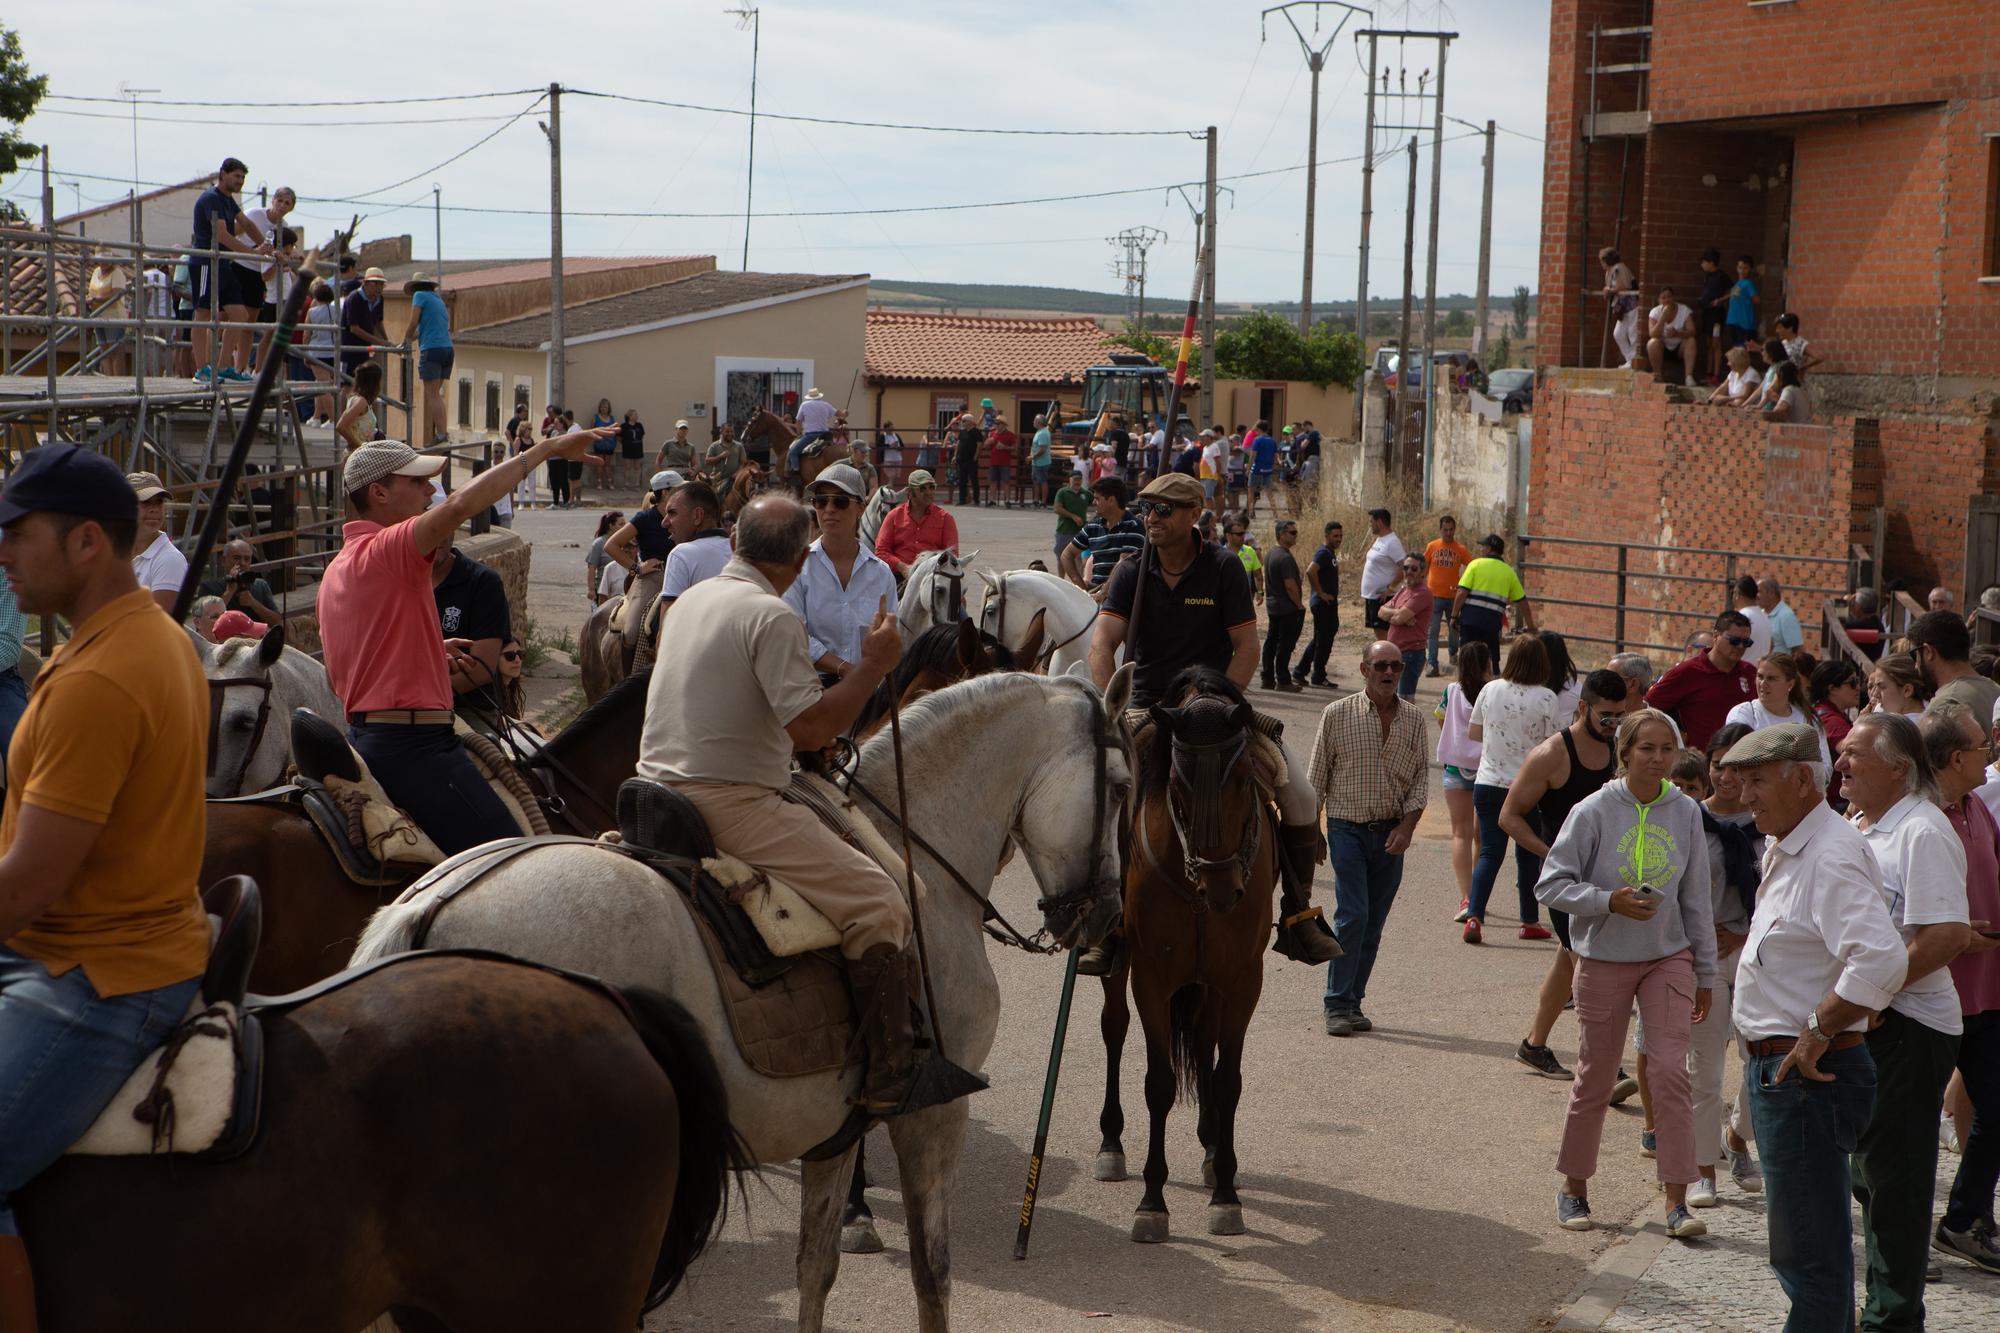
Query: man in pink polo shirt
{"points": [[915, 526], [378, 623]]}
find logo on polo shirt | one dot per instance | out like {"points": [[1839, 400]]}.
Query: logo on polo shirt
{"points": [[1197, 601], [1744, 683], [450, 618]]}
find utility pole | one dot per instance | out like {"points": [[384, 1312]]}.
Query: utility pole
{"points": [[747, 17], [1367, 201], [1131, 266], [1431, 268], [1485, 240], [1208, 289], [132, 95], [1315, 61], [1403, 339], [558, 364], [437, 226]]}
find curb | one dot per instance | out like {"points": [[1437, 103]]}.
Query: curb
{"points": [[1612, 1278]]}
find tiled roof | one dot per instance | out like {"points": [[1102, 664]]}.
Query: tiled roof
{"points": [[463, 274], [26, 291], [700, 294], [906, 348]]}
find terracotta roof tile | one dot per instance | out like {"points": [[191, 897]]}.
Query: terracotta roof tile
{"points": [[701, 293], [965, 349]]}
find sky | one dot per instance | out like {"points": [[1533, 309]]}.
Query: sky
{"points": [[1023, 64]]}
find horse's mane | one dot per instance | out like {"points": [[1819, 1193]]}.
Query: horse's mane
{"points": [[936, 713], [1188, 686], [617, 700], [935, 649]]}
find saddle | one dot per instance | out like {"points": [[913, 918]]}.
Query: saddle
{"points": [[201, 1092]]}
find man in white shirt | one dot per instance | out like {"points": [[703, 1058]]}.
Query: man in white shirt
{"points": [[1823, 957], [1381, 569], [1888, 781], [1786, 635], [157, 563], [1760, 620], [701, 548], [816, 417], [1668, 325], [843, 584]]}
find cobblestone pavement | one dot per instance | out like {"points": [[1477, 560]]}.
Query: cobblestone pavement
{"points": [[1721, 1283]]}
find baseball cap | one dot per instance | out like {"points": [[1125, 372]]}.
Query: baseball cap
{"points": [[921, 478], [1176, 488], [67, 479], [1771, 745], [146, 485], [682, 424], [238, 625], [386, 458], [844, 477], [664, 479]]}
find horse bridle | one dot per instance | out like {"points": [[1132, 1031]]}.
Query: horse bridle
{"points": [[217, 690], [1201, 826], [1046, 655], [954, 604]]}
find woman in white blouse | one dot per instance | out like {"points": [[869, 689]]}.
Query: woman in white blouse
{"points": [[1781, 698], [1512, 716], [1740, 385]]}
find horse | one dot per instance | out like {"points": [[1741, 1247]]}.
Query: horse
{"points": [[942, 655], [1025, 604], [1051, 754], [251, 682], [572, 1140], [934, 593], [314, 913], [768, 431], [878, 507], [603, 653], [1197, 921], [748, 482]]}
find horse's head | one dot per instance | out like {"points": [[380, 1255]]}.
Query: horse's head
{"points": [[245, 753], [1024, 631], [1087, 774], [1211, 799]]}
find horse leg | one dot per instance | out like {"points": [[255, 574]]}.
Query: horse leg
{"points": [[1204, 1124], [928, 1144], [1115, 1021], [1225, 1088], [857, 1223], [1149, 1223], [822, 1187]]}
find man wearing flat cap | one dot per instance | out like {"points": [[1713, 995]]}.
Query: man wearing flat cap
{"points": [[385, 655], [156, 561], [1822, 959], [102, 935], [1199, 613]]}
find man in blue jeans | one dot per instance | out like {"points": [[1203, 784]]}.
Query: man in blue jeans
{"points": [[1370, 769], [1823, 958]]}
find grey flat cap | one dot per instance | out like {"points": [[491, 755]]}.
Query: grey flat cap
{"points": [[1774, 745]]}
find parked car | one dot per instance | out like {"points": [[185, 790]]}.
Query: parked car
{"points": [[1514, 388]]}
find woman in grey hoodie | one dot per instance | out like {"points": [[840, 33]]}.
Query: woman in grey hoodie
{"points": [[1631, 868]]}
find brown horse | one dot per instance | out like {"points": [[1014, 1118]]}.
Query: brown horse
{"points": [[748, 482], [940, 656], [1198, 888], [460, 1142], [313, 913]]}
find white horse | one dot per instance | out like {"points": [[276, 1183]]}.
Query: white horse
{"points": [[1069, 615], [927, 592], [1032, 747], [877, 509], [253, 686]]}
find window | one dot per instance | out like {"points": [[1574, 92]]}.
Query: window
{"points": [[945, 408], [522, 390], [1025, 412], [464, 402], [493, 403], [1992, 247]]}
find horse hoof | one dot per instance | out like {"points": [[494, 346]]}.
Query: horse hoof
{"points": [[860, 1237], [1149, 1228], [1208, 1178], [1225, 1219], [1110, 1166]]}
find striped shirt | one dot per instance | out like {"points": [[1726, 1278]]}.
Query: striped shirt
{"points": [[1108, 544], [1360, 775]]}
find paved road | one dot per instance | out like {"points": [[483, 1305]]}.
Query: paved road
{"points": [[1400, 1180]]}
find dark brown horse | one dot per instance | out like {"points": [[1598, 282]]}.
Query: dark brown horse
{"points": [[313, 912], [460, 1142], [1198, 885], [941, 655]]}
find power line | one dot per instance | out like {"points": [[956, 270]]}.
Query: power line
{"points": [[1531, 138], [431, 171], [348, 102], [889, 125], [237, 122]]}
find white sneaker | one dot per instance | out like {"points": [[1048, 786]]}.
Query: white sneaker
{"points": [[1743, 1169], [1701, 1194]]}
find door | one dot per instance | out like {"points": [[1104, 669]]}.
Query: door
{"points": [[1982, 559], [1271, 405]]}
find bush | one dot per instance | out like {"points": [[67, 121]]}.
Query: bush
{"points": [[1265, 346]]}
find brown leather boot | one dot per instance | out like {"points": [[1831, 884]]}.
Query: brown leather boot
{"points": [[1303, 935], [882, 981], [17, 1287]]}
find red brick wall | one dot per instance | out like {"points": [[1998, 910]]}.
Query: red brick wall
{"points": [[1930, 468], [1700, 193]]}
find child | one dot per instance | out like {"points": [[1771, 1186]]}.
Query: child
{"points": [[1714, 296], [1743, 302], [1621, 289], [1795, 346], [1690, 774]]}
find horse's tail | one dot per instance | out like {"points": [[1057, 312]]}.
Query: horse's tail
{"points": [[710, 1147], [1184, 1019], [391, 930]]}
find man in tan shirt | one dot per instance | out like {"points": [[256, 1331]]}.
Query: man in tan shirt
{"points": [[1369, 769]]}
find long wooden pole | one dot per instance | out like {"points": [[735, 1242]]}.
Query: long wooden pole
{"points": [[1029, 1195]]}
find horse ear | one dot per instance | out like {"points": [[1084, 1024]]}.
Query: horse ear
{"points": [[1242, 716], [1031, 642], [969, 648], [271, 647], [965, 561], [1118, 695], [1164, 717]]}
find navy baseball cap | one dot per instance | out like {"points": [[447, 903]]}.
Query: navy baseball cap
{"points": [[66, 479]]}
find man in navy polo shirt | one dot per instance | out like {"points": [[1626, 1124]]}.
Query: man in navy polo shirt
{"points": [[219, 221]]}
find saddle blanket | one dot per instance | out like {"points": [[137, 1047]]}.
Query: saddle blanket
{"points": [[200, 1090]]}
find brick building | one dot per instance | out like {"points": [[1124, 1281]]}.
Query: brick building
{"points": [[1854, 150]]}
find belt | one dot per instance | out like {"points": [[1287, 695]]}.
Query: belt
{"points": [[404, 717], [1372, 825], [1842, 1041]]}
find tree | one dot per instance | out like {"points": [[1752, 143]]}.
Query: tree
{"points": [[1266, 346], [1162, 350], [19, 92], [1520, 312], [1457, 324], [1503, 353]]}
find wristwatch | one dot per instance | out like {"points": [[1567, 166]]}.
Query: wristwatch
{"points": [[1812, 1025]]}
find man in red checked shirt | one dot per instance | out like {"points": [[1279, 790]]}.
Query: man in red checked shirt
{"points": [[378, 622], [915, 526]]}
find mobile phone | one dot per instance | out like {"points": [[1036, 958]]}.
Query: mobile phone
{"points": [[1991, 934]]}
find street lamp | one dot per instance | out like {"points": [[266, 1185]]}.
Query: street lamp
{"points": [[747, 17]]}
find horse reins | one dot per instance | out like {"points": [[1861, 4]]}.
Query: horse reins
{"points": [[217, 691], [1046, 655]]}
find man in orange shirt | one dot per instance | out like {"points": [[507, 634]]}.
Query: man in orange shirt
{"points": [[915, 526], [1447, 559], [378, 622], [105, 939]]}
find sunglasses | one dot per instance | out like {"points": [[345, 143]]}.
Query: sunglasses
{"points": [[1739, 640], [514, 656], [832, 501], [1385, 666]]}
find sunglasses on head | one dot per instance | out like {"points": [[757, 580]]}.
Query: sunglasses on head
{"points": [[832, 501], [1741, 641]]}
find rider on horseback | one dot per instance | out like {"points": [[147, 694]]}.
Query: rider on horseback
{"points": [[1200, 614], [733, 696], [378, 622], [816, 417], [105, 938]]}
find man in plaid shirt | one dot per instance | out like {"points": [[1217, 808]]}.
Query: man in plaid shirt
{"points": [[1369, 770]]}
